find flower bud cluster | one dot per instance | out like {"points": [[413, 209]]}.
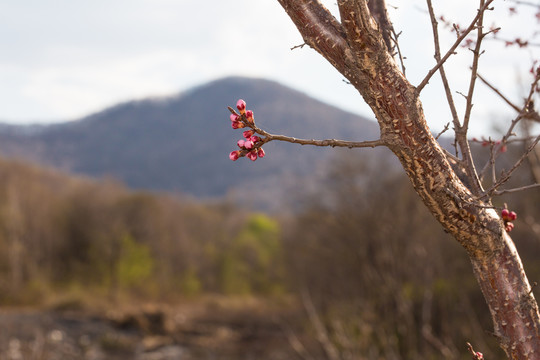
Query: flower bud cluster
{"points": [[488, 142], [508, 217], [250, 145]]}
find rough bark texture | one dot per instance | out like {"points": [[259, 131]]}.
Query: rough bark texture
{"points": [[356, 48]]}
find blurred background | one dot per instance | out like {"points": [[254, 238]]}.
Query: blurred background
{"points": [[127, 233]]}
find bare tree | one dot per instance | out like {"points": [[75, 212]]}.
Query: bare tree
{"points": [[362, 46]]}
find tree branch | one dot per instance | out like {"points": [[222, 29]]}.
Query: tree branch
{"points": [[319, 29], [453, 48]]}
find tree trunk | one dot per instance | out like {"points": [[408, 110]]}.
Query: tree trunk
{"points": [[356, 48]]}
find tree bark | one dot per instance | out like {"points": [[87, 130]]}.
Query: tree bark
{"points": [[356, 48]]}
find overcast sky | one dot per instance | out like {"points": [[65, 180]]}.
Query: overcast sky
{"points": [[63, 59]]}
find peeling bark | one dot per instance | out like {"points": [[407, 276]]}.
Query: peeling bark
{"points": [[357, 49]]}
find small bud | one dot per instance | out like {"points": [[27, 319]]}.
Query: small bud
{"points": [[509, 226], [248, 144], [512, 215], [255, 139], [234, 155], [503, 149], [479, 355], [234, 117], [240, 143], [249, 116], [261, 153], [505, 214], [252, 155], [241, 106], [237, 124], [248, 133]]}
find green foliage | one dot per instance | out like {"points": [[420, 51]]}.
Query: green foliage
{"points": [[254, 262], [190, 284], [135, 264]]}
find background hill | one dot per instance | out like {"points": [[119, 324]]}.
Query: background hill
{"points": [[181, 143]]}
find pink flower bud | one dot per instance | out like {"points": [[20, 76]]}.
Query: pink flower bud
{"points": [[255, 138], [237, 124], [479, 355], [252, 155], [234, 155], [248, 144], [261, 153], [249, 116], [248, 133], [503, 149], [240, 143], [241, 106], [512, 216], [509, 227], [505, 214], [234, 117]]}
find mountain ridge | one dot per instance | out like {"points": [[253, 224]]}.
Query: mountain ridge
{"points": [[181, 143]]}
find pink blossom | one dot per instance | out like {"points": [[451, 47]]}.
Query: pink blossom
{"points": [[252, 155], [240, 143], [234, 117], [234, 155], [248, 144], [241, 106], [261, 153], [248, 133], [255, 139]]}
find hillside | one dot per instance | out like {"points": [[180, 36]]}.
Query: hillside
{"points": [[181, 143]]}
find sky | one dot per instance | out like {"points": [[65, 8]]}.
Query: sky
{"points": [[64, 59]]}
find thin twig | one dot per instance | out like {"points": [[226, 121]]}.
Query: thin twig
{"points": [[400, 55], [474, 68], [524, 111], [299, 46], [506, 176], [521, 188], [452, 49], [444, 79], [515, 107], [461, 131], [325, 143], [445, 129]]}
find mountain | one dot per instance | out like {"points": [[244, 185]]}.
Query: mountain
{"points": [[181, 143]]}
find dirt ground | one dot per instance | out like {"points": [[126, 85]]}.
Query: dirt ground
{"points": [[198, 330]]}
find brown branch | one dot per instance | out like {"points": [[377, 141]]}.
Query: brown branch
{"points": [[325, 143], [461, 131], [513, 190], [377, 8], [507, 175], [400, 55], [453, 48], [319, 29], [498, 92], [522, 113], [357, 50]]}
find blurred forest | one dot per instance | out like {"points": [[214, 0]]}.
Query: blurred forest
{"points": [[362, 265]]}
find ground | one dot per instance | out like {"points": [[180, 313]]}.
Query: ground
{"points": [[203, 329]]}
